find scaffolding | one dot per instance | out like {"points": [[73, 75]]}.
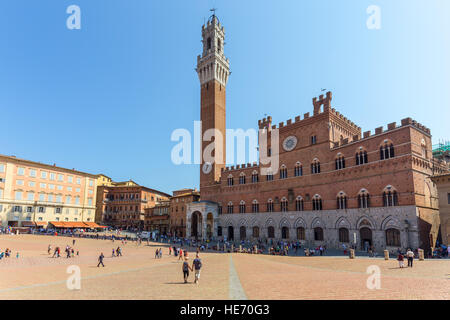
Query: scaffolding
{"points": [[441, 151]]}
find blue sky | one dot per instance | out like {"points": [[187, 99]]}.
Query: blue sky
{"points": [[106, 98]]}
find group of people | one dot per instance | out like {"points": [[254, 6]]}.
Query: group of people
{"points": [[70, 251], [7, 254], [158, 253], [195, 267], [116, 252], [409, 255]]}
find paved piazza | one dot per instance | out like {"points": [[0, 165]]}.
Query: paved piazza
{"points": [[137, 275]]}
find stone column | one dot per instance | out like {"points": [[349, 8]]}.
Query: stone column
{"points": [[188, 224], [204, 224]]}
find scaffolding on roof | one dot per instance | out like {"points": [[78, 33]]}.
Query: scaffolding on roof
{"points": [[441, 150]]}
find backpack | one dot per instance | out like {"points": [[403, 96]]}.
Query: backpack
{"points": [[198, 264]]}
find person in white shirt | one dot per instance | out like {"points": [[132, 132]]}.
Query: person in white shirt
{"points": [[410, 256]]}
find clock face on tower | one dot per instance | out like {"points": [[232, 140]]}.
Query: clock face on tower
{"points": [[289, 143], [207, 167]]}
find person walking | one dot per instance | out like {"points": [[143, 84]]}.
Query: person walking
{"points": [[181, 255], [100, 260], [113, 253], [410, 257], [186, 269], [400, 260], [197, 265], [49, 249]]}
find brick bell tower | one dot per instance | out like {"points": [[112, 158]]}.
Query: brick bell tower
{"points": [[213, 70]]}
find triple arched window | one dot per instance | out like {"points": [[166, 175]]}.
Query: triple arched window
{"points": [[341, 200], [255, 177], [270, 205], [298, 170], [242, 178], [315, 166], [242, 206], [361, 157], [339, 162], [255, 206], [317, 203], [299, 204], [386, 150], [284, 205], [283, 172], [230, 180], [363, 199], [390, 197], [230, 207]]}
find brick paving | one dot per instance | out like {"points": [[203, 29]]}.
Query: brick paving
{"points": [[137, 275]]}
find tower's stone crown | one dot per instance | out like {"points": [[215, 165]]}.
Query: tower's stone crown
{"points": [[212, 63]]}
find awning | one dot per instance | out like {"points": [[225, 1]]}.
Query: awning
{"points": [[41, 223], [28, 224], [57, 224], [91, 225]]}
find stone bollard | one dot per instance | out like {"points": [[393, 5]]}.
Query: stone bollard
{"points": [[421, 255], [240, 248], [255, 249], [352, 254], [224, 247], [386, 255], [232, 248]]}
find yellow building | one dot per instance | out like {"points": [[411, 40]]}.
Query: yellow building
{"points": [[33, 193]]}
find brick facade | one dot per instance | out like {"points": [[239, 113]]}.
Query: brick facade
{"points": [[378, 185]]}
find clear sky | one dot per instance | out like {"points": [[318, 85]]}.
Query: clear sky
{"points": [[106, 98]]}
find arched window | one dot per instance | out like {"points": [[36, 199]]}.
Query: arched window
{"points": [[284, 205], [242, 178], [343, 235], [242, 206], [318, 234], [230, 207], [299, 204], [255, 232], [255, 177], [255, 206], [298, 171], [242, 232], [219, 45], [301, 233], [393, 238], [339, 162], [386, 150], [208, 43], [390, 198], [363, 199], [361, 157], [270, 232], [283, 172], [219, 208], [270, 205], [315, 166], [285, 233], [341, 200], [269, 176], [219, 231], [230, 180], [317, 203], [424, 148]]}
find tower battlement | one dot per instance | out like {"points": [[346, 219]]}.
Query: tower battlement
{"points": [[265, 123], [322, 101]]}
